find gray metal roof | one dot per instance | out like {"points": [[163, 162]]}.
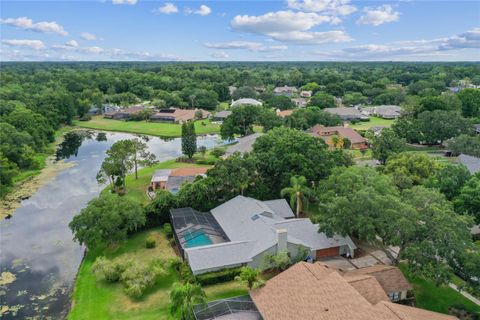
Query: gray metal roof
{"points": [[222, 114], [244, 144], [346, 113], [472, 163], [281, 208], [251, 225], [304, 232], [219, 255]]}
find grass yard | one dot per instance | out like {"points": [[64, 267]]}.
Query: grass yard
{"points": [[99, 300], [136, 188], [374, 121], [435, 298], [159, 129]]}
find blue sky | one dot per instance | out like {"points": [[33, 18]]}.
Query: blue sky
{"points": [[293, 30]]}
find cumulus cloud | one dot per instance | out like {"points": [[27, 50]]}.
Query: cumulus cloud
{"points": [[32, 44], [72, 43], [469, 39], [28, 24], [167, 8], [220, 55], [379, 15], [203, 10], [130, 2], [245, 45], [290, 26], [88, 36], [334, 7]]}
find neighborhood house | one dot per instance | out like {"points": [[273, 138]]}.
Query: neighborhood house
{"points": [[384, 111], [347, 114], [125, 113], [284, 113], [315, 291], [299, 102], [172, 180], [220, 116], [179, 115], [285, 91], [243, 231], [357, 142], [305, 94]]}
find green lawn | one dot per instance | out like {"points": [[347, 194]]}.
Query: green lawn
{"points": [[374, 121], [435, 298], [159, 129], [99, 300]]}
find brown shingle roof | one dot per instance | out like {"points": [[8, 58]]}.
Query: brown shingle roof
{"points": [[390, 278], [315, 291], [185, 172], [326, 132], [368, 287]]}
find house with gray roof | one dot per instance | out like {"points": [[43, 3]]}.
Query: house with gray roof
{"points": [[383, 111], [220, 116], [347, 113], [477, 128], [285, 91], [242, 231], [472, 163], [243, 144]]}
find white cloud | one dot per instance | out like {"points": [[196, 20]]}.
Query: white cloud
{"points": [[32, 44], [92, 50], [289, 26], [244, 45], [130, 2], [88, 36], [28, 24], [433, 49], [203, 10], [379, 15], [167, 8], [119, 54], [72, 43], [469, 39], [220, 55], [334, 7], [302, 37]]}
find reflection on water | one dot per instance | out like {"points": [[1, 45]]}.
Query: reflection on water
{"points": [[38, 259]]}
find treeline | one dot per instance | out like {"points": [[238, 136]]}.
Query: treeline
{"points": [[38, 98]]}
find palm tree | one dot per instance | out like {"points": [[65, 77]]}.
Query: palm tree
{"points": [[297, 191], [249, 276], [183, 297]]}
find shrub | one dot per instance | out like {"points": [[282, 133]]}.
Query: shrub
{"points": [[86, 117], [217, 152], [218, 276], [167, 229], [109, 270], [150, 242], [185, 273], [279, 262]]}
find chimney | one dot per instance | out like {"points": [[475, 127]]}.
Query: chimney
{"points": [[281, 240]]}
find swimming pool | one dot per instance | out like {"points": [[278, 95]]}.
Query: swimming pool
{"points": [[196, 239]]}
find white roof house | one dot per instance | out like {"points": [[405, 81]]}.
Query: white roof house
{"points": [[254, 228], [383, 111], [245, 102]]}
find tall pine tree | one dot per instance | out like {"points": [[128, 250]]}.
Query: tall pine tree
{"points": [[189, 139]]}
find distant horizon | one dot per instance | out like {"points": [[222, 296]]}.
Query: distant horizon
{"points": [[283, 30]]}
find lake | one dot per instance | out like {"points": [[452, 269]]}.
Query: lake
{"points": [[38, 258]]}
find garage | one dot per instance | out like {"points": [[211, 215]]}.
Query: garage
{"points": [[328, 252]]}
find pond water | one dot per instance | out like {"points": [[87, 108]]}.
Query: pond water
{"points": [[38, 259]]}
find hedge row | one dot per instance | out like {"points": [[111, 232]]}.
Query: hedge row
{"points": [[218, 276]]}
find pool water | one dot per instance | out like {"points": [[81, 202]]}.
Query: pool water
{"points": [[196, 239]]}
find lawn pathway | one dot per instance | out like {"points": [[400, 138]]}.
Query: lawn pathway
{"points": [[465, 294]]}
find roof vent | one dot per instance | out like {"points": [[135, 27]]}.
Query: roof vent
{"points": [[254, 217]]}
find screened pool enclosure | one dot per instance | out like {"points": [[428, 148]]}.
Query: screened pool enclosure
{"points": [[193, 228]]}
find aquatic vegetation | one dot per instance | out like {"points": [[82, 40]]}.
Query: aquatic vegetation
{"points": [[7, 278]]}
